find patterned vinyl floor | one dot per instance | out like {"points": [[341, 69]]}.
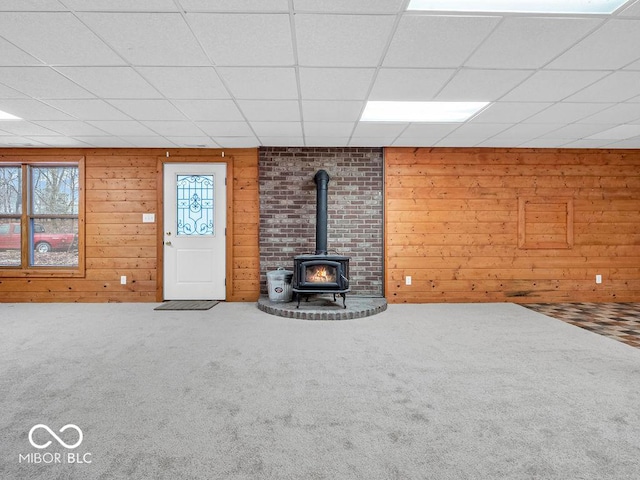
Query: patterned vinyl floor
{"points": [[620, 321]]}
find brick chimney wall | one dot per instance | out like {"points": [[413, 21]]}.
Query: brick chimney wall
{"points": [[288, 209]]}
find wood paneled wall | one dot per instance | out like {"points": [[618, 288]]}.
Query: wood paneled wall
{"points": [[483, 225], [121, 185]]}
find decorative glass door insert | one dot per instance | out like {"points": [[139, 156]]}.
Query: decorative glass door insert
{"points": [[195, 204]]}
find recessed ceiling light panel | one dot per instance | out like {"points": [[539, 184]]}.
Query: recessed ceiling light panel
{"points": [[8, 116], [434, 112], [519, 6]]}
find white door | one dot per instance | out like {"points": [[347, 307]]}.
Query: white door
{"points": [[194, 231]]}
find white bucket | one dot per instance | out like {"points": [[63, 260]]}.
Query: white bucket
{"points": [[279, 285]]}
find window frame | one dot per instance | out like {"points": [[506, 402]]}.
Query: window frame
{"points": [[26, 270]]}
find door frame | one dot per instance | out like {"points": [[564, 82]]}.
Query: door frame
{"points": [[212, 156]]}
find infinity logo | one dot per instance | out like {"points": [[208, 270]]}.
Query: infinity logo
{"points": [[40, 425]]}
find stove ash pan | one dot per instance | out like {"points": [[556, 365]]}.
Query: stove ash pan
{"points": [[315, 274]]}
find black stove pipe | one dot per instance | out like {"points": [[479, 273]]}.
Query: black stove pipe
{"points": [[322, 181]]}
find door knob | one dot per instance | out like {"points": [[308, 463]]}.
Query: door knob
{"points": [[168, 244]]}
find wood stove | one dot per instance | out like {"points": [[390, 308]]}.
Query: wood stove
{"points": [[321, 273]]}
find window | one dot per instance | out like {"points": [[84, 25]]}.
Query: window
{"points": [[41, 215]]}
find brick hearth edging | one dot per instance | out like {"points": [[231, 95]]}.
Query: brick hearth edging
{"points": [[324, 308]]}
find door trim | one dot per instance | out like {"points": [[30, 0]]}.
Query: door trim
{"points": [[213, 156]]}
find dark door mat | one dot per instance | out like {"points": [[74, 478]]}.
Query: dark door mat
{"points": [[188, 305]]}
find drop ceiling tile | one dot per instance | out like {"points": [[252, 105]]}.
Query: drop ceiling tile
{"points": [[352, 6], [174, 129], [575, 131], [89, 109], [6, 92], [431, 130], [629, 143], [509, 112], [111, 82], [54, 38], [526, 132], [326, 141], [270, 110], [544, 143], [632, 10], [32, 110], [148, 109], [225, 129], [481, 85], [620, 113], [335, 83], [260, 82], [409, 84], [71, 128], [372, 141], [585, 143], [209, 110], [59, 141], [185, 82], [41, 82], [16, 141], [328, 129], [277, 129], [553, 85], [633, 66], [22, 128], [282, 141], [148, 38], [235, 6], [477, 131], [617, 87], [619, 132], [235, 142], [31, 5], [150, 142], [437, 41], [192, 142], [419, 142], [530, 42], [330, 111], [249, 40], [342, 40], [124, 128], [566, 112], [612, 46], [121, 5], [104, 142], [373, 129], [10, 55]]}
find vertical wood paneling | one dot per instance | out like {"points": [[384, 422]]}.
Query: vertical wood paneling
{"points": [[121, 185], [452, 220]]}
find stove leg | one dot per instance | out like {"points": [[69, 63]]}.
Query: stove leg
{"points": [[298, 298], [344, 300]]}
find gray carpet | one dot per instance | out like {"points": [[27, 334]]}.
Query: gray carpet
{"points": [[491, 391]]}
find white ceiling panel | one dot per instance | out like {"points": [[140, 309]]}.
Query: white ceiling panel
{"points": [[104, 142], [335, 83], [373, 129], [10, 55], [481, 85], [620, 132], [17, 141], [111, 82], [282, 141], [270, 110], [235, 5], [260, 82], [226, 129], [209, 110], [32, 110], [150, 142], [632, 10], [24, 128], [60, 141], [596, 52], [526, 132], [431, 130], [371, 141], [275, 129], [244, 40], [575, 131], [328, 129], [553, 85], [420, 142], [148, 109], [71, 127], [352, 6], [30, 5], [437, 41], [89, 109], [185, 82], [620, 113], [529, 42], [409, 84], [509, 112], [6, 92], [238, 142], [477, 131], [174, 129], [125, 128], [326, 141], [617, 87], [331, 111], [148, 38], [192, 142], [121, 5], [342, 40], [566, 112], [53, 38], [41, 82]]}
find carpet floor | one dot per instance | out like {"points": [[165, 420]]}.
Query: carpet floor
{"points": [[476, 391]]}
